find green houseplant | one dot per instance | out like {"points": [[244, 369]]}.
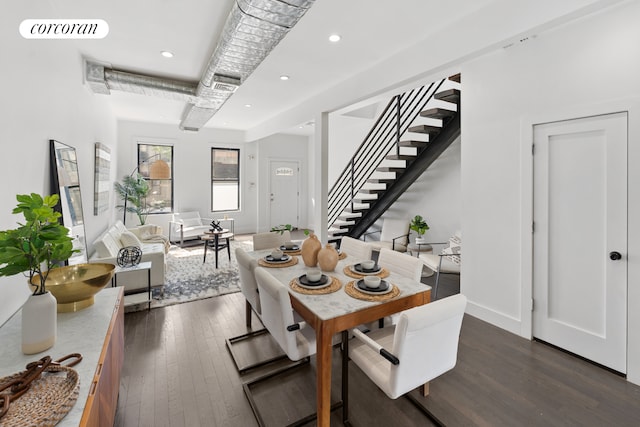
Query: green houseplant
{"points": [[133, 191], [419, 225], [286, 227], [39, 244]]}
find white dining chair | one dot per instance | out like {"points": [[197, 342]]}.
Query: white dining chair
{"points": [[400, 263], [356, 250], [249, 288], [421, 347], [270, 240], [295, 337]]}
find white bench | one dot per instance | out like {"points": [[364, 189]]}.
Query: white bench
{"points": [[187, 225]]}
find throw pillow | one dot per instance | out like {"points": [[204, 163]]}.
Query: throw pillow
{"points": [[129, 239]]}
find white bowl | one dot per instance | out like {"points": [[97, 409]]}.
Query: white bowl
{"points": [[276, 254], [372, 281], [368, 265], [314, 275], [289, 245]]}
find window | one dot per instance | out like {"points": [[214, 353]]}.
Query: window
{"points": [[155, 164], [225, 179]]}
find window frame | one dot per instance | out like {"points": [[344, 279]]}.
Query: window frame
{"points": [[213, 180], [148, 179]]}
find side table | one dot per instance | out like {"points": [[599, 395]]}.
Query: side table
{"points": [[139, 297], [417, 249]]}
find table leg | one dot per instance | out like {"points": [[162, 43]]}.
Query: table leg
{"points": [[149, 287], [204, 258], [216, 248], [323, 360]]}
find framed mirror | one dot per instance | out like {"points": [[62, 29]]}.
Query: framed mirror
{"points": [[65, 181]]}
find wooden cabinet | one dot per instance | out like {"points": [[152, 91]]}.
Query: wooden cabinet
{"points": [[102, 401]]}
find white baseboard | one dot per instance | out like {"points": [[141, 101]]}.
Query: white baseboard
{"points": [[495, 318]]}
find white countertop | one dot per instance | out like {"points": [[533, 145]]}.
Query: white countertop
{"points": [[81, 332]]}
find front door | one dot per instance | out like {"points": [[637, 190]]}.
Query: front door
{"points": [[580, 237], [284, 192]]}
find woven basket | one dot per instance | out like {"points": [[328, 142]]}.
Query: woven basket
{"points": [[47, 401]]}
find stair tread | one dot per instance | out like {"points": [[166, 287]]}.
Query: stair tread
{"points": [[456, 78], [380, 181], [390, 169], [412, 143], [372, 190], [449, 95], [400, 157], [438, 113], [425, 129]]}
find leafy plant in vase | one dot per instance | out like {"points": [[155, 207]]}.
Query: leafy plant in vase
{"points": [[419, 225], [36, 247], [133, 191]]}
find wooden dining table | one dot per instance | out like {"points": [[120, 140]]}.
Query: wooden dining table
{"points": [[332, 313]]}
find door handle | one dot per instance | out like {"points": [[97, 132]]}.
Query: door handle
{"points": [[615, 256]]}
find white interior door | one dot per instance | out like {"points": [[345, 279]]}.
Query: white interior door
{"points": [[284, 192], [580, 225]]}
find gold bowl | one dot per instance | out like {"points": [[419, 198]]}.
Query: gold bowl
{"points": [[74, 286]]}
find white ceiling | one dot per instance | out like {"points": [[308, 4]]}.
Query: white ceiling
{"points": [[372, 32]]}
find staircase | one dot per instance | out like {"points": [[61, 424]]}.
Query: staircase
{"points": [[410, 134]]}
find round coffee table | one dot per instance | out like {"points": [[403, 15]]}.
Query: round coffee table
{"points": [[212, 239]]}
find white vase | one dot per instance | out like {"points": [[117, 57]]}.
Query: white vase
{"points": [[421, 240], [39, 323]]}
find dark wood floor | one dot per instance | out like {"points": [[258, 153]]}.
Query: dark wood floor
{"points": [[177, 372]]}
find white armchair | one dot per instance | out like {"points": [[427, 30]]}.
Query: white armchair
{"points": [[187, 225], [394, 235], [446, 262]]}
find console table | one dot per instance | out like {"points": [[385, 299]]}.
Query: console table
{"points": [[97, 332]]}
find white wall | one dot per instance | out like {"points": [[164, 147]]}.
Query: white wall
{"points": [[281, 147], [191, 168], [587, 67], [436, 196], [43, 98]]}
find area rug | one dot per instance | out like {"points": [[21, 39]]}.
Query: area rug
{"points": [[187, 278]]}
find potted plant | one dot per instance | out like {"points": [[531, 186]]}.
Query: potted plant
{"points": [[36, 247], [133, 191], [419, 225], [286, 227]]}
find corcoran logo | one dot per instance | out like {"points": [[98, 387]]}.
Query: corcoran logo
{"points": [[64, 29]]}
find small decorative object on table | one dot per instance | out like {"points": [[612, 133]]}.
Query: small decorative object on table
{"points": [[129, 256], [310, 248], [328, 258], [215, 226]]}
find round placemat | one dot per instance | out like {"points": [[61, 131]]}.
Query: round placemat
{"points": [[292, 252], [47, 401], [347, 270], [333, 287], [292, 261], [352, 290]]}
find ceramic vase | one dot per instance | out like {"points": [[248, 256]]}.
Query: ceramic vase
{"points": [[310, 248], [39, 323], [328, 258]]}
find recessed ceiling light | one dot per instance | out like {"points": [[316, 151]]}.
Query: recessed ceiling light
{"points": [[166, 54], [247, 105], [284, 77], [334, 38]]}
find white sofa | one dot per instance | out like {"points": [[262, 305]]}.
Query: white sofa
{"points": [[187, 225], [154, 247]]}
